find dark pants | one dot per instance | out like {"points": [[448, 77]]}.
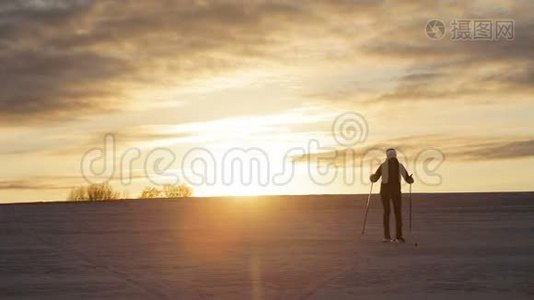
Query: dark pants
{"points": [[392, 194]]}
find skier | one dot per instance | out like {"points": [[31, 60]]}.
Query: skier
{"points": [[390, 189]]}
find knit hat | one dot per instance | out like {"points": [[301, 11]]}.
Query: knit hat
{"points": [[391, 153]]}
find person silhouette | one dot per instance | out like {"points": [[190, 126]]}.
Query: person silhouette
{"points": [[390, 191]]}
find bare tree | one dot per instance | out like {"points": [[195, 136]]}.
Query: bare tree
{"points": [[94, 192], [150, 193], [177, 191], [101, 191], [78, 194], [168, 191]]}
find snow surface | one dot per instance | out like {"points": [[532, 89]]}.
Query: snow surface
{"points": [[469, 246]]}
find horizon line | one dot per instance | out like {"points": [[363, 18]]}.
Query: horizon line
{"points": [[249, 196]]}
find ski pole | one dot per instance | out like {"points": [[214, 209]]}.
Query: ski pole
{"points": [[410, 207], [367, 209]]}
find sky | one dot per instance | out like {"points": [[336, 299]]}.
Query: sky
{"points": [[190, 91]]}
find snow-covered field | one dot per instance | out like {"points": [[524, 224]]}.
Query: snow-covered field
{"points": [[469, 246]]}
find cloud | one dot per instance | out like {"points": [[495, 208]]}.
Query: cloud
{"points": [[64, 59], [465, 149], [37, 82], [417, 68], [496, 150], [30, 185], [71, 59]]}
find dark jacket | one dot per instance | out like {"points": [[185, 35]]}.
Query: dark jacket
{"points": [[391, 171]]}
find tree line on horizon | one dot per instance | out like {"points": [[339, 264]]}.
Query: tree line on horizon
{"points": [[104, 192]]}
